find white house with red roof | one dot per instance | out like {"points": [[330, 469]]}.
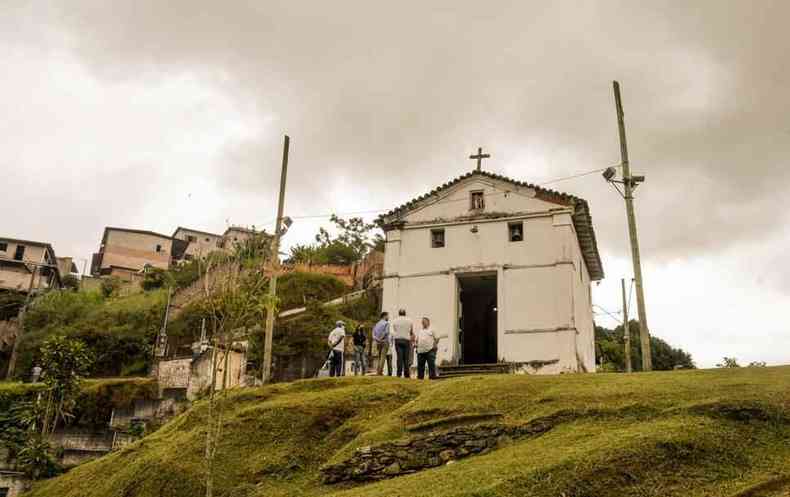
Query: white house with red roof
{"points": [[502, 268]]}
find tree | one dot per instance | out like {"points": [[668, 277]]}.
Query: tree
{"points": [[64, 362], [609, 346], [233, 302], [306, 254], [728, 362], [353, 239]]}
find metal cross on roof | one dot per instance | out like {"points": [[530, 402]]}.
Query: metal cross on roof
{"points": [[480, 156]]}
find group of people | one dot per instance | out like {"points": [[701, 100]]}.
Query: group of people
{"points": [[397, 338]]}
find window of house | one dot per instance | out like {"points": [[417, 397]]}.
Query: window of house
{"points": [[191, 238], [3, 246], [437, 238], [4, 491], [477, 200], [158, 248], [20, 252], [516, 231], [208, 239], [219, 243]]}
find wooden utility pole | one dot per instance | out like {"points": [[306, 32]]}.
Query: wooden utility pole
{"points": [[267, 351], [626, 331], [628, 184]]}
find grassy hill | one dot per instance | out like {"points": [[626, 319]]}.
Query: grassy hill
{"points": [[689, 433]]}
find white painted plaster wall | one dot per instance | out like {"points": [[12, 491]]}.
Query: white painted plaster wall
{"points": [[544, 309]]}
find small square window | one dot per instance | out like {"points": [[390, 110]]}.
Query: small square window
{"points": [[3, 246], [437, 238], [191, 238], [477, 200], [516, 231], [208, 239], [158, 248], [19, 254]]}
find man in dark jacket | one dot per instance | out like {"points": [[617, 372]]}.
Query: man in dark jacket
{"points": [[360, 357]]}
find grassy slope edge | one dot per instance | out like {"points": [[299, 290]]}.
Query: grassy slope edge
{"points": [[690, 433]]}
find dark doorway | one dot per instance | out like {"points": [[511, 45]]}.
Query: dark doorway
{"points": [[478, 318]]}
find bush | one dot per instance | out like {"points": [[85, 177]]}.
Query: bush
{"points": [[156, 278], [110, 286], [70, 282], [118, 332]]}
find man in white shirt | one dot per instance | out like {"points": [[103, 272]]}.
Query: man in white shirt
{"points": [[427, 342], [402, 330], [337, 342]]}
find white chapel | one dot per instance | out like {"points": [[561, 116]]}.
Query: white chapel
{"points": [[502, 268]]}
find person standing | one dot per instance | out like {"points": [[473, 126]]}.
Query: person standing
{"points": [[426, 350], [337, 342], [403, 331], [360, 357], [381, 337]]}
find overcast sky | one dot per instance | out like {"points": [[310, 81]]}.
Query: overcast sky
{"points": [[152, 114]]}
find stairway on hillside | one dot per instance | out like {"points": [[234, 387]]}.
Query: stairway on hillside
{"points": [[446, 372]]}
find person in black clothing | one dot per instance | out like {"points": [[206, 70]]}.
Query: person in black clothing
{"points": [[360, 357]]}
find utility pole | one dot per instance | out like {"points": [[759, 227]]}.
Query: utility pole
{"points": [[626, 331], [629, 183], [267, 351]]}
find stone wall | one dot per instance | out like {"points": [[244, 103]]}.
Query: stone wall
{"points": [[13, 482], [427, 451]]}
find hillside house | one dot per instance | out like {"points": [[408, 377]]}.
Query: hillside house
{"points": [[501, 267], [28, 265], [125, 252], [200, 243]]}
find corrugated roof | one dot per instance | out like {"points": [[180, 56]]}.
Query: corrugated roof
{"points": [[581, 214]]}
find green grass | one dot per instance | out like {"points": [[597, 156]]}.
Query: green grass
{"points": [[686, 433]]}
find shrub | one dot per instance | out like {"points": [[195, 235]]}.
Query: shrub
{"points": [[110, 286]]}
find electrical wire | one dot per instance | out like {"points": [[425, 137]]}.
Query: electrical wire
{"points": [[445, 201], [611, 315]]}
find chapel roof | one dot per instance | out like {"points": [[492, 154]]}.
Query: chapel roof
{"points": [[582, 220]]}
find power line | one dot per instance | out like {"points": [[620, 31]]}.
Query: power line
{"points": [[611, 315], [445, 201]]}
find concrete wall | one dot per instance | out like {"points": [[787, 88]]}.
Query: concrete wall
{"points": [[544, 317], [203, 243], [135, 250]]}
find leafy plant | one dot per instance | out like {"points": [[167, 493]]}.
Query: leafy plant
{"points": [[110, 286], [728, 362], [65, 362], [156, 278], [70, 282]]}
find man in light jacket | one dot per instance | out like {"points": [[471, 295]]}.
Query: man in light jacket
{"points": [[402, 329], [427, 343], [337, 342], [381, 336]]}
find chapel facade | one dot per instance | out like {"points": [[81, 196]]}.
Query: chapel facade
{"points": [[502, 268]]}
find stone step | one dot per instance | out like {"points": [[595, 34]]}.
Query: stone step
{"points": [[473, 369]]}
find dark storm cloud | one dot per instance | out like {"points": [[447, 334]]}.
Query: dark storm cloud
{"points": [[394, 97]]}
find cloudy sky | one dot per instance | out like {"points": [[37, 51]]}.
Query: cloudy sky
{"points": [[154, 114]]}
